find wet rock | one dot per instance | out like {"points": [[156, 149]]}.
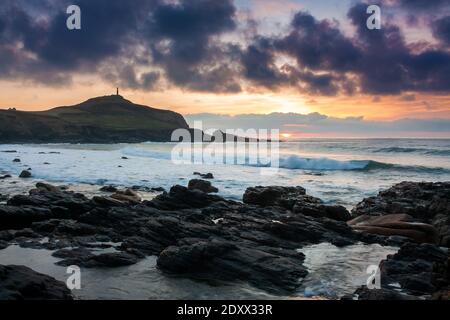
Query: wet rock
{"points": [[426, 202], [107, 202], [112, 260], [9, 151], [204, 175], [202, 185], [124, 158], [6, 176], [420, 269], [25, 174], [296, 200], [22, 283], [40, 186], [158, 189], [127, 195], [220, 260], [16, 160], [22, 217], [110, 189], [3, 245], [180, 197], [396, 225], [63, 204], [273, 196]]}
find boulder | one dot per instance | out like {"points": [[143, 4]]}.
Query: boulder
{"points": [[16, 160], [127, 195], [111, 260], [296, 200], [220, 260], [25, 174], [396, 225], [204, 175], [420, 269], [273, 196], [426, 202], [110, 189], [22, 283], [202, 185], [40, 186]]}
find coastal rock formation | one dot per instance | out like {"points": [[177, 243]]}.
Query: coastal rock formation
{"points": [[202, 185], [25, 174], [204, 175], [296, 200], [396, 225], [194, 234], [127, 195], [420, 269], [203, 236], [428, 203], [22, 283], [416, 271]]}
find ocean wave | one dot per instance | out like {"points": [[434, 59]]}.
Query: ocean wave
{"points": [[427, 151], [138, 152], [296, 162]]}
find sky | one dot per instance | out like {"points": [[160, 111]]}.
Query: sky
{"points": [[267, 63]]}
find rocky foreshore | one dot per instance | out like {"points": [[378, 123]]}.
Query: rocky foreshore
{"points": [[198, 235]]}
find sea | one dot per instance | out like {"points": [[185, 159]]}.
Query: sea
{"points": [[339, 171]]}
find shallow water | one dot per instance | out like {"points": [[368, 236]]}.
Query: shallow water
{"points": [[333, 273]]}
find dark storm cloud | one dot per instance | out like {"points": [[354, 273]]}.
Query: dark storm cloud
{"points": [[441, 30], [180, 42], [318, 44], [184, 46], [422, 4], [315, 45]]}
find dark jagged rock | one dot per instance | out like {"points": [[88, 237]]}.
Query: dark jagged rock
{"points": [[22, 283], [25, 174], [180, 197], [204, 175], [22, 217], [112, 260], [220, 260], [420, 269], [273, 196], [202, 185], [426, 202], [296, 200], [195, 234], [3, 245], [16, 160]]}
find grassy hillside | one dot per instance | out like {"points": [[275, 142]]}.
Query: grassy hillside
{"points": [[107, 119]]}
